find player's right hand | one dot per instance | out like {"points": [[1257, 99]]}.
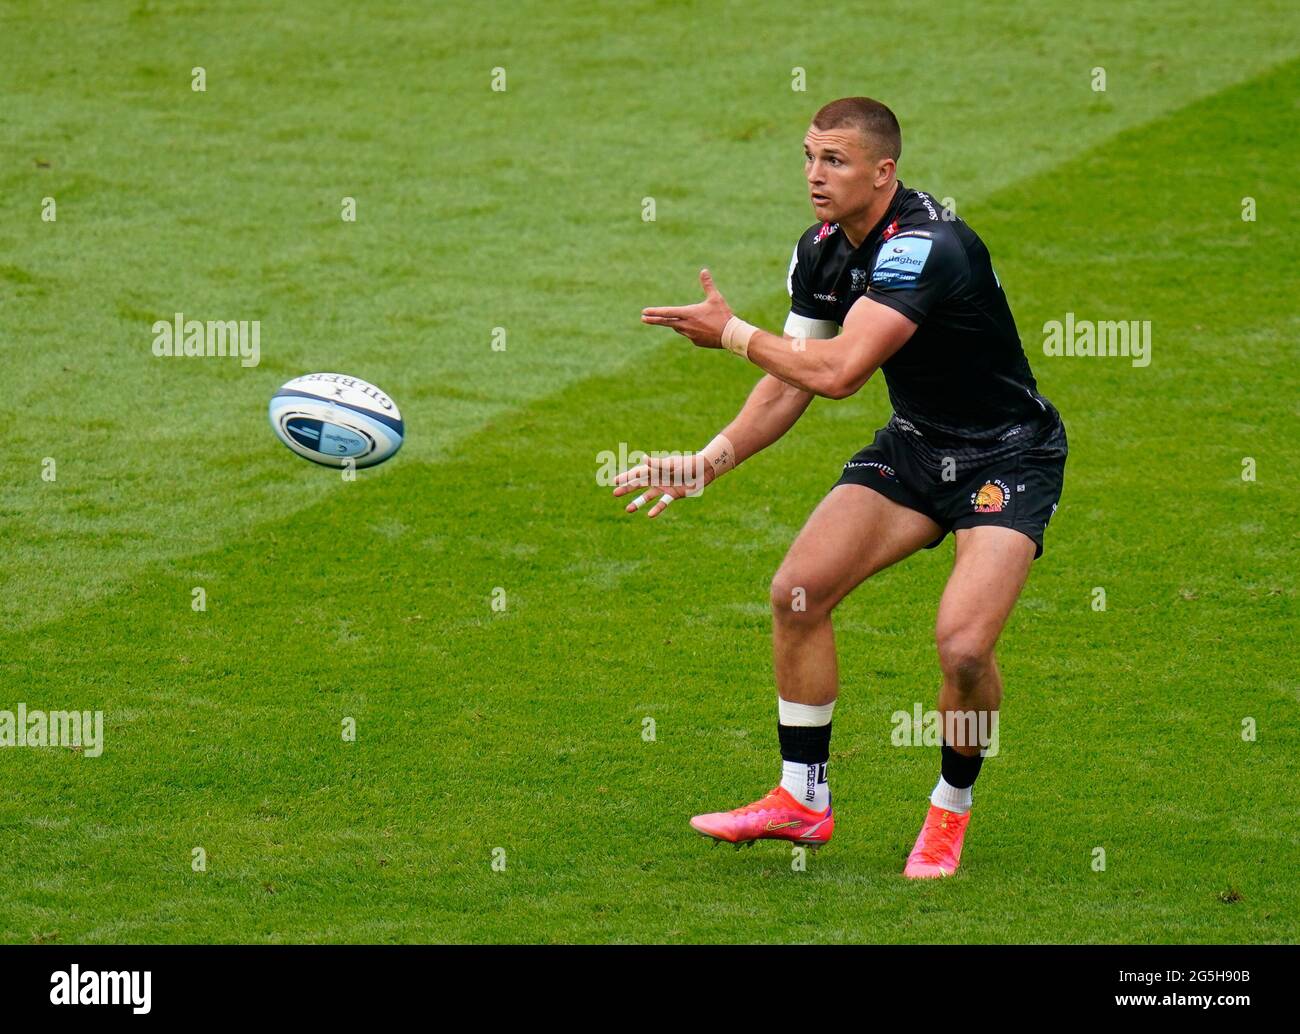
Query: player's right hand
{"points": [[661, 480]]}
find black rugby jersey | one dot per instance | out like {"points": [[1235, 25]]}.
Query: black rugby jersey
{"points": [[961, 382]]}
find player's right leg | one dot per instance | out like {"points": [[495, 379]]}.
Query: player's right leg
{"points": [[853, 533]]}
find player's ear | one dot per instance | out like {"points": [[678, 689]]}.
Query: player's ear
{"points": [[885, 168]]}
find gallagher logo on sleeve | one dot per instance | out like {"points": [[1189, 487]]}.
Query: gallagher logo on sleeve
{"points": [[900, 260]]}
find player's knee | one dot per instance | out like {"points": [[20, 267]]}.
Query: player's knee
{"points": [[964, 655], [796, 598]]}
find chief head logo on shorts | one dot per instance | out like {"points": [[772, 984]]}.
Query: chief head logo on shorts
{"points": [[991, 498]]}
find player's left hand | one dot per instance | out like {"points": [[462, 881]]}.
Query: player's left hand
{"points": [[701, 322], [668, 478]]}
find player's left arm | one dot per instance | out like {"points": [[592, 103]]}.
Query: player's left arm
{"points": [[834, 368]]}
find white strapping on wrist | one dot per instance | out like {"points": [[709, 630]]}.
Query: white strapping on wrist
{"points": [[720, 454], [736, 335]]}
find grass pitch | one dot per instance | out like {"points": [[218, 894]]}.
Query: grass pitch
{"points": [[522, 729]]}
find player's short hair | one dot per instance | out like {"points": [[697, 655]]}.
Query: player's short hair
{"points": [[876, 123]]}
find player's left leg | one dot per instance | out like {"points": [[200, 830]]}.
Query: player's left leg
{"points": [[990, 569]]}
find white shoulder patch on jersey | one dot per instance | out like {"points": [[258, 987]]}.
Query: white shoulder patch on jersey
{"points": [[900, 260], [789, 277]]}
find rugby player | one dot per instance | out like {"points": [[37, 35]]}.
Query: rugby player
{"points": [[884, 280]]}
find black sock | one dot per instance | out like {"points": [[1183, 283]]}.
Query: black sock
{"points": [[959, 771], [805, 744]]}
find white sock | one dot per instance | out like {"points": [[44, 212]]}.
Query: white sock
{"points": [[807, 784], [950, 798], [812, 715]]}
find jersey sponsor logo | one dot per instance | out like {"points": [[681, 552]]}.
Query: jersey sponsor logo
{"points": [[826, 230], [824, 297], [899, 263], [992, 497], [924, 198], [890, 230]]}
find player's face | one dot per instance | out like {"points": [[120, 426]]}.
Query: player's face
{"points": [[842, 175]]}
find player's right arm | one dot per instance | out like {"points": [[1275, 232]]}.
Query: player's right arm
{"points": [[775, 405], [772, 408]]}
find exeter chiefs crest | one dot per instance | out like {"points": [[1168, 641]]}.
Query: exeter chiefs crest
{"points": [[992, 497]]}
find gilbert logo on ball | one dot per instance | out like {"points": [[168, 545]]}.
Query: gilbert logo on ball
{"points": [[330, 418]]}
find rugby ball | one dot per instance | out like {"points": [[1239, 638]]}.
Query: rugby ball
{"points": [[331, 418]]}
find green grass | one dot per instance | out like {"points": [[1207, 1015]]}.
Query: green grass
{"points": [[521, 729]]}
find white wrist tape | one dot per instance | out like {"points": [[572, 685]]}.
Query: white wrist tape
{"points": [[736, 335], [720, 454]]}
